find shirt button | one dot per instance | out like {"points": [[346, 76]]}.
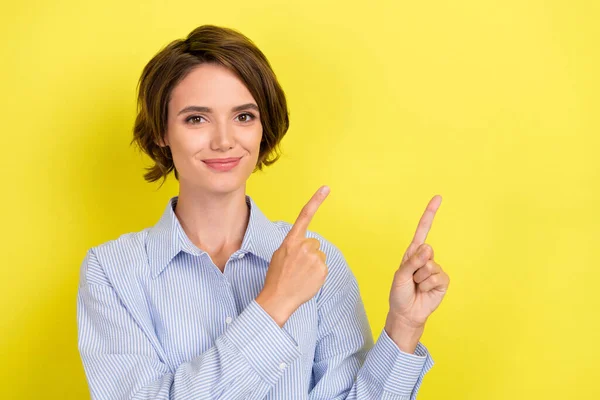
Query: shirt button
{"points": [[241, 255], [228, 320], [282, 365]]}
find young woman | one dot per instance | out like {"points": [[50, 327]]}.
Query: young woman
{"points": [[216, 301]]}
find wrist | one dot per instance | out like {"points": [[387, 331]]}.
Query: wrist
{"points": [[405, 335], [277, 308]]}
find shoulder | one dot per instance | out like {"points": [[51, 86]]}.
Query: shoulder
{"points": [[125, 251]]}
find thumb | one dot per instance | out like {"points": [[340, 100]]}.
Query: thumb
{"points": [[423, 254]]}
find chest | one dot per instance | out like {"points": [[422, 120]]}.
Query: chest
{"points": [[220, 259], [193, 304]]}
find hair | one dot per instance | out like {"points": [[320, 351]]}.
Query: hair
{"points": [[206, 44]]}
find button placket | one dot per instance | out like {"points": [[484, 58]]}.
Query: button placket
{"points": [[230, 308]]}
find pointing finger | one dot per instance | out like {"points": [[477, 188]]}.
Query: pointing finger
{"points": [[299, 228], [426, 221], [417, 260]]}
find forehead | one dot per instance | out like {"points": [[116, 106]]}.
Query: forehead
{"points": [[210, 85]]}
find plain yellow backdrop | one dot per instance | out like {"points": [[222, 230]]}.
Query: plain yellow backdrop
{"points": [[491, 104]]}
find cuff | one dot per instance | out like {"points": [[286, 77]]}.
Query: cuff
{"points": [[397, 371], [267, 347]]}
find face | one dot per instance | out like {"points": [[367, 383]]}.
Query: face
{"points": [[212, 115]]}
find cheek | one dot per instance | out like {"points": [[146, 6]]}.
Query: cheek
{"points": [[251, 142], [257, 139], [186, 144]]}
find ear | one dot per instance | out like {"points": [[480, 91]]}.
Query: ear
{"points": [[163, 141]]}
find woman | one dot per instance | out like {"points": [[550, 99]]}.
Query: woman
{"points": [[216, 301]]}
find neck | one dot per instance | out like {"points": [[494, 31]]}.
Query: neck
{"points": [[214, 222]]}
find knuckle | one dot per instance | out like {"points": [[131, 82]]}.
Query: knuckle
{"points": [[426, 248], [430, 266], [310, 244], [322, 255], [426, 251], [306, 246], [316, 257], [304, 213], [416, 260], [324, 271]]}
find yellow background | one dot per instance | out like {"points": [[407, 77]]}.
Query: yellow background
{"points": [[492, 104]]}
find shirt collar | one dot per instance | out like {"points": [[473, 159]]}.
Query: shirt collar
{"points": [[167, 238]]}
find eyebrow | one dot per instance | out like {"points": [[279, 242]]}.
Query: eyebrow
{"points": [[209, 110]]}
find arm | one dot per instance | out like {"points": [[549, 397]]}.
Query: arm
{"points": [[121, 363], [347, 365]]}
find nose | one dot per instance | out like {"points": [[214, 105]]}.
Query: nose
{"points": [[223, 138]]}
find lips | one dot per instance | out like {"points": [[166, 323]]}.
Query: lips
{"points": [[222, 164], [221, 160]]}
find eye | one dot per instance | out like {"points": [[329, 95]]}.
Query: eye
{"points": [[193, 119], [246, 115]]}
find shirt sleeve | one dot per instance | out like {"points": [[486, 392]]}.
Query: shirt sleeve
{"points": [[347, 364], [120, 362]]}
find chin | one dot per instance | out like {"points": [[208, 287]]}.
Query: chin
{"points": [[224, 184]]}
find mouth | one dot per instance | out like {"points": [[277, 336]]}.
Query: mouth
{"points": [[222, 164]]}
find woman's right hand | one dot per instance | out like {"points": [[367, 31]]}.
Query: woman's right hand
{"points": [[297, 269]]}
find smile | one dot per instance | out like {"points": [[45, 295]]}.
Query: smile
{"points": [[222, 166]]}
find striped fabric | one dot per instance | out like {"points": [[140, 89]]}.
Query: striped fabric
{"points": [[158, 320]]}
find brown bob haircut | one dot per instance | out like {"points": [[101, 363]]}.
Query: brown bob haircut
{"points": [[206, 44]]}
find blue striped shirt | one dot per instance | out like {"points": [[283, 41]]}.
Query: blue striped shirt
{"points": [[157, 319]]}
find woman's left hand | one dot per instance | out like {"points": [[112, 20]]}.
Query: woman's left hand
{"points": [[419, 285]]}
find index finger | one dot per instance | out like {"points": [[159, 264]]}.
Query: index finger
{"points": [[426, 221], [306, 214]]}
